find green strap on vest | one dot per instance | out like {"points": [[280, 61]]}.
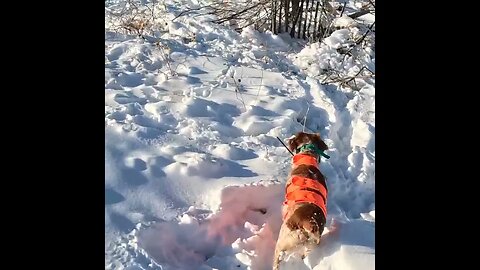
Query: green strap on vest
{"points": [[312, 147]]}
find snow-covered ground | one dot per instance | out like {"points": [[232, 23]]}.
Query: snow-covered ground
{"points": [[194, 173]]}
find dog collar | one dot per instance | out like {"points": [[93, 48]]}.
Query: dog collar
{"points": [[313, 148]]}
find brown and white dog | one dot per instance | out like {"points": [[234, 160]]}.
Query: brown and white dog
{"points": [[304, 209]]}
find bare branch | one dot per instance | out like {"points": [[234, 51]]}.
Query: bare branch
{"points": [[187, 11], [343, 8], [358, 14], [366, 33]]}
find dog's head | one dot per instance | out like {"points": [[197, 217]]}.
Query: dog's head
{"points": [[302, 138]]}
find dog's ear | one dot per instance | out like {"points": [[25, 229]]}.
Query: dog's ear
{"points": [[294, 141], [317, 140]]}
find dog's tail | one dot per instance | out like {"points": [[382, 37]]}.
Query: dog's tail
{"points": [[276, 261]]}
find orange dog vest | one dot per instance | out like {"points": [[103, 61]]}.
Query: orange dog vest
{"points": [[300, 188]]}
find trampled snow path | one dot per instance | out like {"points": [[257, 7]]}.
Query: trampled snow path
{"points": [[194, 173]]}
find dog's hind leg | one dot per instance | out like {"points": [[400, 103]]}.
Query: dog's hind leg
{"points": [[283, 243], [276, 259], [287, 241]]}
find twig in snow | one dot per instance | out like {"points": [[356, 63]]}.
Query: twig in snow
{"points": [[259, 87], [237, 91], [358, 14], [343, 9], [364, 35], [305, 118]]}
